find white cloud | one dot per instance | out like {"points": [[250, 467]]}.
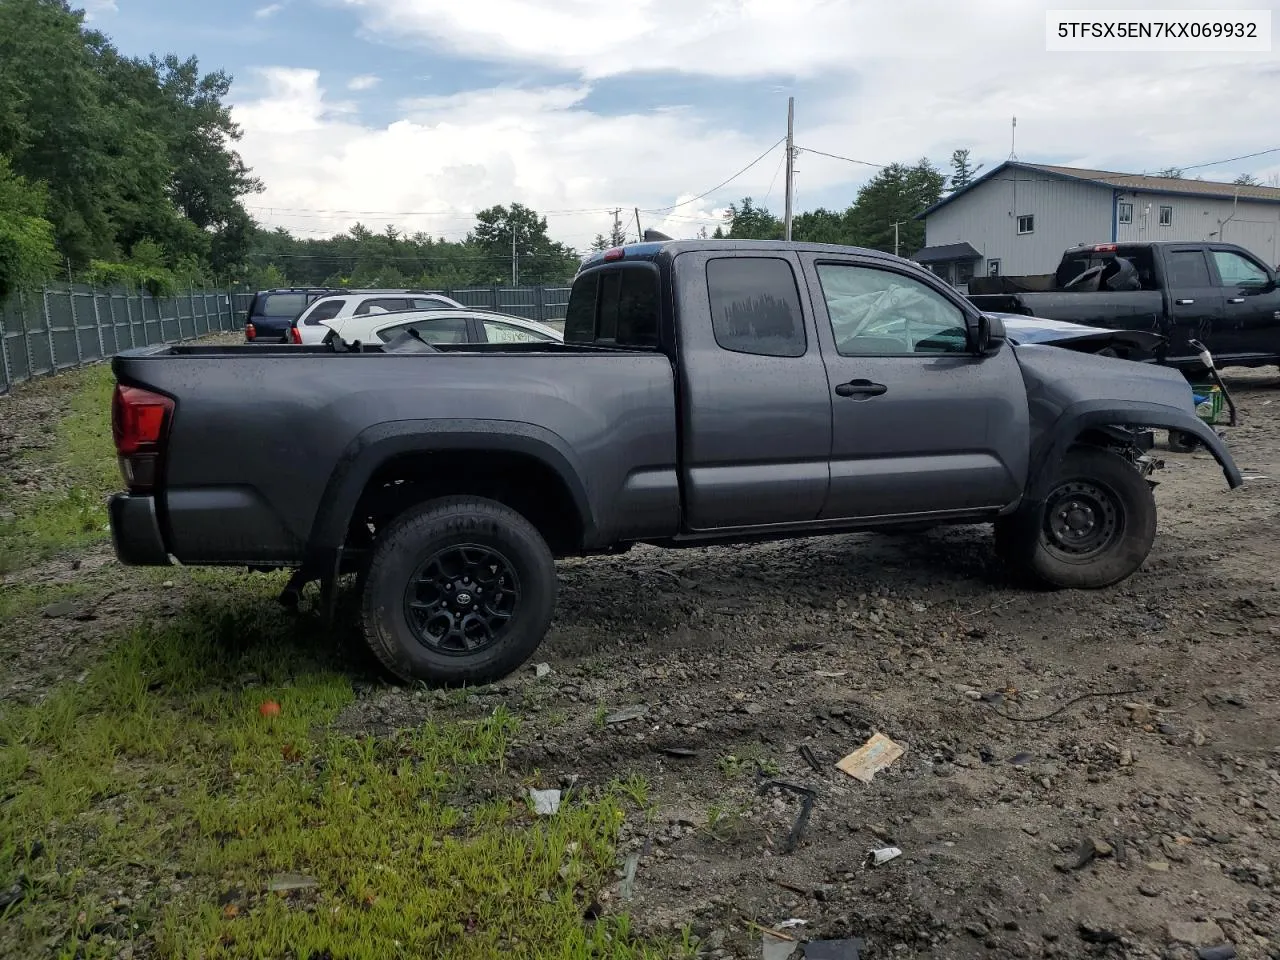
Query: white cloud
{"points": [[366, 81], [451, 156], [884, 82], [270, 10], [93, 9]]}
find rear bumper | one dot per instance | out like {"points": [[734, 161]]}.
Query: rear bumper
{"points": [[135, 531]]}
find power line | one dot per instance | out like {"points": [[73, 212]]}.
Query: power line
{"points": [[724, 183], [836, 156]]}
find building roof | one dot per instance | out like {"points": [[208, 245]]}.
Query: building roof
{"points": [[946, 253], [1125, 182]]}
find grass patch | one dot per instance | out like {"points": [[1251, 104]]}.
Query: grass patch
{"points": [[80, 464], [155, 803]]}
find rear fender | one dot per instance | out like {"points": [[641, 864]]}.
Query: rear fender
{"points": [[1080, 417], [378, 444]]}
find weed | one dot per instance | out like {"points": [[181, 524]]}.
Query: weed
{"points": [[635, 788]]}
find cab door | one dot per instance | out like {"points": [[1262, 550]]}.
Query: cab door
{"points": [[922, 425], [1250, 308]]}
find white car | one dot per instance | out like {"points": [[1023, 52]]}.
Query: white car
{"points": [[308, 326], [443, 326]]}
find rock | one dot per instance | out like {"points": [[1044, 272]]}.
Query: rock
{"points": [[978, 930], [63, 608], [1198, 934], [1126, 757], [1222, 952], [542, 669], [1148, 889], [1159, 866], [826, 892], [754, 709], [1091, 933]]}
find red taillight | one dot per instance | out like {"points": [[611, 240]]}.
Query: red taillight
{"points": [[250, 331], [617, 253], [1104, 248], [295, 335], [139, 419]]}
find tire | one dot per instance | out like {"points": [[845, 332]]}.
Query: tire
{"points": [[423, 598], [1182, 442], [1054, 547]]}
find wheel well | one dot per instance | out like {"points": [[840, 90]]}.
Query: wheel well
{"points": [[520, 481]]}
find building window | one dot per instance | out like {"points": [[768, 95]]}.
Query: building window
{"points": [[1125, 213], [1027, 223], [993, 268], [1166, 216], [964, 272]]}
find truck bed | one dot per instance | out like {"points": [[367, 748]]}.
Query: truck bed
{"points": [[261, 434]]}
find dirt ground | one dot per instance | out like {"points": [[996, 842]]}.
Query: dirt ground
{"points": [[1140, 821]]}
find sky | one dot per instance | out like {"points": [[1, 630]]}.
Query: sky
{"points": [[418, 113]]}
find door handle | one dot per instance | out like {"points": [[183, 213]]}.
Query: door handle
{"points": [[860, 388], [1184, 303], [1235, 299]]}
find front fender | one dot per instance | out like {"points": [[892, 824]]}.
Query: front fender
{"points": [[1098, 413]]}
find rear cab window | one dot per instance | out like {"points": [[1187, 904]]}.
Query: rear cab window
{"points": [[374, 305], [755, 306], [615, 306]]}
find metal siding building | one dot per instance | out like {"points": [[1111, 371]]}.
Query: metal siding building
{"points": [[983, 228]]}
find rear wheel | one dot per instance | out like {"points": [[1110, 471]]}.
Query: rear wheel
{"points": [[459, 590], [1095, 527]]}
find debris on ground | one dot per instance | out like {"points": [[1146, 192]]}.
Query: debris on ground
{"points": [[776, 946], [883, 855], [1225, 951], [541, 669], [625, 714], [808, 798], [627, 888], [545, 802], [870, 758], [288, 882]]}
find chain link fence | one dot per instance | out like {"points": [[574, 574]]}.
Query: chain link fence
{"points": [[69, 325]]}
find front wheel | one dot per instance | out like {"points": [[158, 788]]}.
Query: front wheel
{"points": [[459, 590], [1095, 527]]}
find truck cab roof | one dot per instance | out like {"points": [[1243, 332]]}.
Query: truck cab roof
{"points": [[654, 249]]}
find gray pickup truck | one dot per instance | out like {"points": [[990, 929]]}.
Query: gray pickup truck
{"points": [[706, 392]]}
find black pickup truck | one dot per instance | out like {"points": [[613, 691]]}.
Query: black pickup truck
{"points": [[1216, 293], [706, 392]]}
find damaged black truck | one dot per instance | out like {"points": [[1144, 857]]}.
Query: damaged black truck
{"points": [[706, 392], [1197, 296]]}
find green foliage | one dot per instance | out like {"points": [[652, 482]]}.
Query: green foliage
{"points": [[896, 193], [963, 171], [27, 254], [130, 149], [362, 258], [746, 221], [145, 269], [1246, 180]]}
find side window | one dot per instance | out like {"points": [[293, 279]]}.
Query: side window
{"points": [[326, 310], [1236, 271], [441, 330], [432, 303], [877, 312], [755, 306], [381, 304], [1188, 269], [495, 331], [614, 306]]}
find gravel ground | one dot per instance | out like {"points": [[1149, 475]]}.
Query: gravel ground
{"points": [[1139, 821]]}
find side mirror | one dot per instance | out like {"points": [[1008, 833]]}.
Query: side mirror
{"points": [[989, 335]]}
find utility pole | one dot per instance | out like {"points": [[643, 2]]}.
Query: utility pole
{"points": [[617, 228], [515, 261], [791, 156], [639, 231], [896, 224]]}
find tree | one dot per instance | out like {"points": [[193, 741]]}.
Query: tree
{"points": [[537, 258], [750, 222], [963, 172], [822, 226], [1172, 173], [27, 255], [1246, 180], [895, 195]]}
